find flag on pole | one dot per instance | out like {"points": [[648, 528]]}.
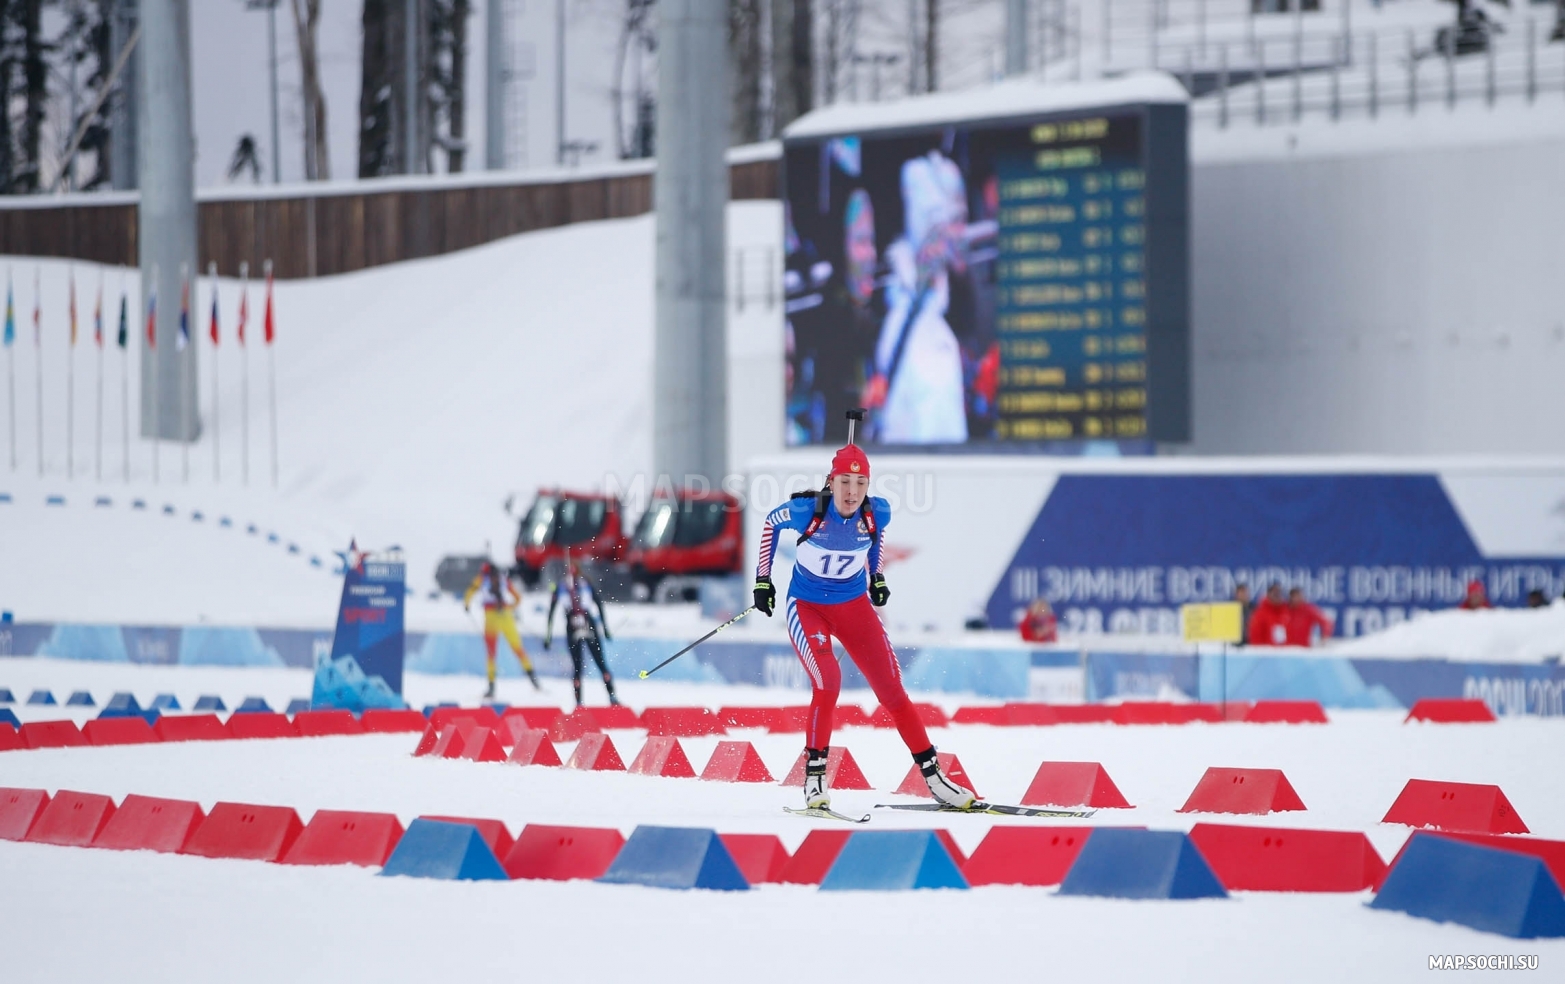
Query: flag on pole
{"points": [[73, 307], [124, 337], [214, 315], [152, 316], [10, 313], [37, 311], [244, 313], [183, 338], [269, 326], [97, 316]]}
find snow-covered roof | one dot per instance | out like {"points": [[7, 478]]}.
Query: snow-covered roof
{"points": [[1027, 96]]}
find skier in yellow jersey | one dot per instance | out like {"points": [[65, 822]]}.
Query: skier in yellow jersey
{"points": [[499, 598]]}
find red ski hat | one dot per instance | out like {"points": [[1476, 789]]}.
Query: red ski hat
{"points": [[850, 460]]}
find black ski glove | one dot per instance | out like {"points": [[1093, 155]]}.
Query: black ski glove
{"points": [[765, 596], [879, 594]]}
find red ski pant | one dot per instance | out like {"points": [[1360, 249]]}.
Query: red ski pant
{"points": [[857, 626]]}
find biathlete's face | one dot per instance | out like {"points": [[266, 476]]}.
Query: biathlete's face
{"points": [[848, 492]]}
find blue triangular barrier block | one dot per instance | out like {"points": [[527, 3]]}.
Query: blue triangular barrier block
{"points": [[296, 705], [1486, 888], [436, 849], [123, 701], [675, 857], [41, 697], [253, 704], [892, 861], [1141, 864], [7, 716], [6, 697], [80, 698], [165, 702], [209, 702]]}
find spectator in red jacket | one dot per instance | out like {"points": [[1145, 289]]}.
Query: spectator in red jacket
{"points": [[1269, 620], [1039, 624], [1476, 598], [1303, 619]]}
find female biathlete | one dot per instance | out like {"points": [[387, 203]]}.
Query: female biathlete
{"points": [[581, 630], [839, 530], [498, 600]]}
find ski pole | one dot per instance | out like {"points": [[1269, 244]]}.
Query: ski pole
{"points": [[647, 673]]}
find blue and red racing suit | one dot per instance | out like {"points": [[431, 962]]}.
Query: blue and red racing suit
{"points": [[828, 598]]}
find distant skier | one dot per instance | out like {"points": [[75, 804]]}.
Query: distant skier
{"points": [[836, 579], [499, 598], [581, 631]]}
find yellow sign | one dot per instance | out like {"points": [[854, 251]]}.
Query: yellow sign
{"points": [[1220, 622]]}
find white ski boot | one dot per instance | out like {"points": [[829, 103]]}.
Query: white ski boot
{"points": [[945, 792], [816, 796]]}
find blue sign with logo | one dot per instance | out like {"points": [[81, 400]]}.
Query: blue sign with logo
{"points": [[1121, 553], [364, 668]]}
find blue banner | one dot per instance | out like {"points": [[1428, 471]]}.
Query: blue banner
{"points": [[1121, 553], [364, 667]]}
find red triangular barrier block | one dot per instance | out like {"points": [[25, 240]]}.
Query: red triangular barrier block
{"points": [[1550, 852], [1286, 712], [662, 756], [616, 716], [346, 837], [1025, 855], [681, 722], [442, 716], [147, 823], [1084, 713], [132, 730], [736, 761], [533, 747], [850, 716], [51, 734], [385, 720], [563, 853], [929, 714], [447, 744], [999, 716], [1279, 859], [1074, 784], [1476, 807], [242, 830], [1242, 791], [790, 720], [259, 724], [10, 738], [749, 717], [536, 717], [760, 857], [595, 752], [1450, 711], [191, 727], [479, 744], [913, 783], [841, 771], [72, 819], [1029, 713], [814, 857], [19, 810], [426, 743], [493, 832], [1164, 712], [573, 726], [319, 724]]}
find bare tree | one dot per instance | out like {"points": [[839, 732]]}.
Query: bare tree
{"points": [[793, 61], [317, 157], [744, 50], [637, 42], [931, 45], [24, 78], [380, 89]]}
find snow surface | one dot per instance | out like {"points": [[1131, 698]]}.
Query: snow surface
{"points": [[155, 917], [1509, 635]]}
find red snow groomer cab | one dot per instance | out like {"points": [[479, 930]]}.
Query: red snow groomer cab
{"points": [[685, 536], [590, 525]]}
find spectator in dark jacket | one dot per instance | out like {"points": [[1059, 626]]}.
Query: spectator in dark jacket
{"points": [[1303, 619], [1537, 599], [1246, 609]]}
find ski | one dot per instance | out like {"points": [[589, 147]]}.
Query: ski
{"points": [[821, 814], [992, 809]]}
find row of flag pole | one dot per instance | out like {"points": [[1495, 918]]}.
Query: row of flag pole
{"points": [[182, 340]]}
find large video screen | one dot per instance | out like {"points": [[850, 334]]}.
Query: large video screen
{"points": [[1005, 285]]}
